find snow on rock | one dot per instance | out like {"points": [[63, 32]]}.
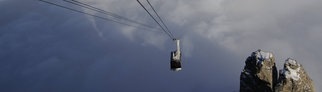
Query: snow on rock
{"points": [[259, 73], [291, 72], [293, 78], [291, 62], [262, 55]]}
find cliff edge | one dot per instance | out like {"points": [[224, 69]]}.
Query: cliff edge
{"points": [[260, 75]]}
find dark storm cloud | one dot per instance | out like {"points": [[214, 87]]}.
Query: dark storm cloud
{"points": [[47, 48]]}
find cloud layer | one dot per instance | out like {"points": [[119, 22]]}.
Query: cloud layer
{"points": [[47, 48]]}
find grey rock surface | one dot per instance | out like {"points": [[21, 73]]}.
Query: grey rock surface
{"points": [[260, 75], [293, 78]]}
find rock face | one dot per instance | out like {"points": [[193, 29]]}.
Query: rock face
{"points": [[293, 78], [260, 75]]}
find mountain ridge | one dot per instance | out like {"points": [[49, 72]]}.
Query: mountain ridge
{"points": [[260, 75]]}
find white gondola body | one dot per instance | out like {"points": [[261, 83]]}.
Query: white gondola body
{"points": [[175, 62]]}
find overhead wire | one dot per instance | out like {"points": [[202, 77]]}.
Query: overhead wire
{"points": [[166, 27], [168, 33], [87, 6], [103, 18]]}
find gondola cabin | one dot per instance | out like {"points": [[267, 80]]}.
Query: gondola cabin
{"points": [[175, 62]]}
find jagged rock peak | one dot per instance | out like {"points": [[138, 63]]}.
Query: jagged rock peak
{"points": [[259, 73], [262, 55], [293, 78]]}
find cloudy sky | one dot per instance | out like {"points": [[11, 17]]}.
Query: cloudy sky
{"points": [[44, 48]]}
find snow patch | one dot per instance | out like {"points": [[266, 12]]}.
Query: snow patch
{"points": [[292, 73], [289, 72], [262, 55], [247, 73], [291, 61]]}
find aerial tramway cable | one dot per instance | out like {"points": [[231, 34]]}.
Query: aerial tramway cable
{"points": [[93, 15], [87, 6], [167, 32], [166, 27]]}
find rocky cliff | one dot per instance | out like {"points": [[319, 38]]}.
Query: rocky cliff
{"points": [[293, 78], [260, 75]]}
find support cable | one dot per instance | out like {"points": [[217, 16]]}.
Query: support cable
{"points": [[103, 18], [160, 18], [87, 6], [155, 20]]}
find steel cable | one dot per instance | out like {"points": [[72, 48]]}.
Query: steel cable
{"points": [[103, 18], [160, 18], [155, 20], [87, 6]]}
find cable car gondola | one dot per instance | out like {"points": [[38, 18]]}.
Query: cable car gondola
{"points": [[175, 58]]}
